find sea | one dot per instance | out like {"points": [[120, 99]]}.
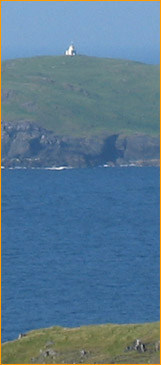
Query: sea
{"points": [[79, 247]]}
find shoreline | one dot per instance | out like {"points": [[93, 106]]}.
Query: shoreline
{"points": [[21, 335], [154, 163]]}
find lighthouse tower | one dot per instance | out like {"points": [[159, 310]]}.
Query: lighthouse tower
{"points": [[70, 51]]}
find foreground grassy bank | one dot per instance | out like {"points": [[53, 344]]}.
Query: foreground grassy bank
{"points": [[101, 344]]}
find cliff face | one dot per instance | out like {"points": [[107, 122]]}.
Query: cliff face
{"points": [[25, 144]]}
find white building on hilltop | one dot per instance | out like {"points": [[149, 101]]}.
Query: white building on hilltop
{"points": [[70, 51]]}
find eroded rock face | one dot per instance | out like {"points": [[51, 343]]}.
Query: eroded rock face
{"points": [[138, 147], [26, 144]]}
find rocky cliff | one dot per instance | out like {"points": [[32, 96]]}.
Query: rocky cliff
{"points": [[25, 144]]}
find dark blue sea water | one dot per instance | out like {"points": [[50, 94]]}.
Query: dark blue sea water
{"points": [[79, 247]]}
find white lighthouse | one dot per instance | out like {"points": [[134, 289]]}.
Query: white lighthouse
{"points": [[70, 51]]}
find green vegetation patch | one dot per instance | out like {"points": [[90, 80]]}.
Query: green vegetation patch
{"points": [[101, 344], [82, 96]]}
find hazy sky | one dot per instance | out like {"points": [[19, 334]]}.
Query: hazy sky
{"points": [[119, 29]]}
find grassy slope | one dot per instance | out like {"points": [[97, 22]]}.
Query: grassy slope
{"points": [[82, 95], [103, 344]]}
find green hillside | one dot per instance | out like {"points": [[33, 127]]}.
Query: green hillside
{"points": [[103, 344], [82, 96]]}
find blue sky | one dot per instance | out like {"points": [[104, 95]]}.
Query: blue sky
{"points": [[117, 29]]}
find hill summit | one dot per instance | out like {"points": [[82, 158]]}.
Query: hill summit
{"points": [[81, 95], [79, 98]]}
